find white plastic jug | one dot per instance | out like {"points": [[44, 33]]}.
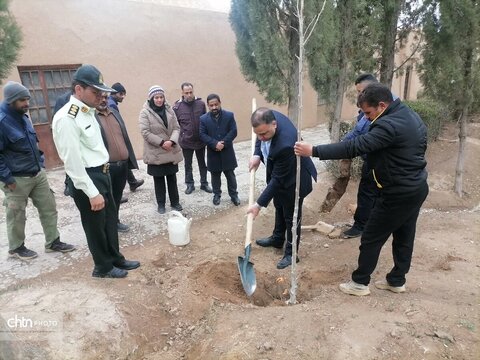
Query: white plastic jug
{"points": [[178, 229]]}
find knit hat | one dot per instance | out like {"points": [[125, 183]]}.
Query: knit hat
{"points": [[119, 88], [13, 91], [155, 90]]}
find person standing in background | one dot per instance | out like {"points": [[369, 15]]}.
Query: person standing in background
{"points": [[114, 99], [161, 152], [120, 151], [22, 175], [188, 111], [218, 129]]}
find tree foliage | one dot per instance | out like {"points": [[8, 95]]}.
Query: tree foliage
{"points": [[10, 40], [450, 71], [450, 68], [267, 45]]}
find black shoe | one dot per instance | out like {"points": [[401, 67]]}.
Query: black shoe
{"points": [[189, 189], [235, 200], [134, 186], [216, 199], [127, 264], [123, 200], [353, 232], [22, 253], [122, 227], [206, 188], [267, 242], [59, 246], [161, 209], [115, 273], [66, 191], [285, 262], [177, 207]]}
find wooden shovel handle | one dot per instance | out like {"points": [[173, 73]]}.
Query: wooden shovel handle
{"points": [[251, 194]]}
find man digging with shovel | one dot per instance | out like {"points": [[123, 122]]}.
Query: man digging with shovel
{"points": [[276, 136]]}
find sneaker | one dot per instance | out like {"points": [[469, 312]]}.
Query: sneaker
{"points": [[136, 185], [122, 227], [22, 253], [352, 288], [384, 285], [123, 200], [161, 209], [353, 232], [59, 246], [177, 207], [216, 199]]}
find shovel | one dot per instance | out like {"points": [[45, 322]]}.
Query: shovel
{"points": [[245, 267]]}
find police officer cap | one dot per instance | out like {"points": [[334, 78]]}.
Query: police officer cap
{"points": [[90, 75], [119, 88]]}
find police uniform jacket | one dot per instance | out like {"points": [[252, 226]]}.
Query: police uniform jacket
{"points": [[79, 143], [395, 146]]}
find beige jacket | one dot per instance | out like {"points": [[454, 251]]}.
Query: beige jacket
{"points": [[154, 131]]}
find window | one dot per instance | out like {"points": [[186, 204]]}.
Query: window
{"points": [[46, 83]]}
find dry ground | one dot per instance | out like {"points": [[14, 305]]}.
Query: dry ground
{"points": [[188, 302]]}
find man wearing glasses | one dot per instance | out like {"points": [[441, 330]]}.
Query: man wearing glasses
{"points": [[79, 143]]}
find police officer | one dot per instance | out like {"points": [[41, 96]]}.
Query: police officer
{"points": [[79, 143], [22, 175]]}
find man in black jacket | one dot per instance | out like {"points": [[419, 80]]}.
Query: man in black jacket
{"points": [[395, 146]]}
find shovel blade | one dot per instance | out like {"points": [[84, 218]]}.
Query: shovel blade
{"points": [[247, 275]]}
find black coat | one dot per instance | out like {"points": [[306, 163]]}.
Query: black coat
{"points": [[395, 145], [282, 166], [211, 132]]}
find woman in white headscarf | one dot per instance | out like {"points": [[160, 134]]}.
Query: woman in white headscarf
{"points": [[161, 152]]}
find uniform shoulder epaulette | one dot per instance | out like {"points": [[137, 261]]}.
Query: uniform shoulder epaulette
{"points": [[73, 111]]}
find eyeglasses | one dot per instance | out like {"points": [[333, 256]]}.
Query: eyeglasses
{"points": [[98, 93]]}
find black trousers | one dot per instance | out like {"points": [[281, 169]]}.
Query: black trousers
{"points": [[202, 167], [366, 195], [131, 178], [160, 190], [118, 176], [231, 182], [284, 222], [100, 226], [392, 214]]}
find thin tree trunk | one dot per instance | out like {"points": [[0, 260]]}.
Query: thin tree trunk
{"points": [[301, 40], [462, 137], [387, 61]]}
